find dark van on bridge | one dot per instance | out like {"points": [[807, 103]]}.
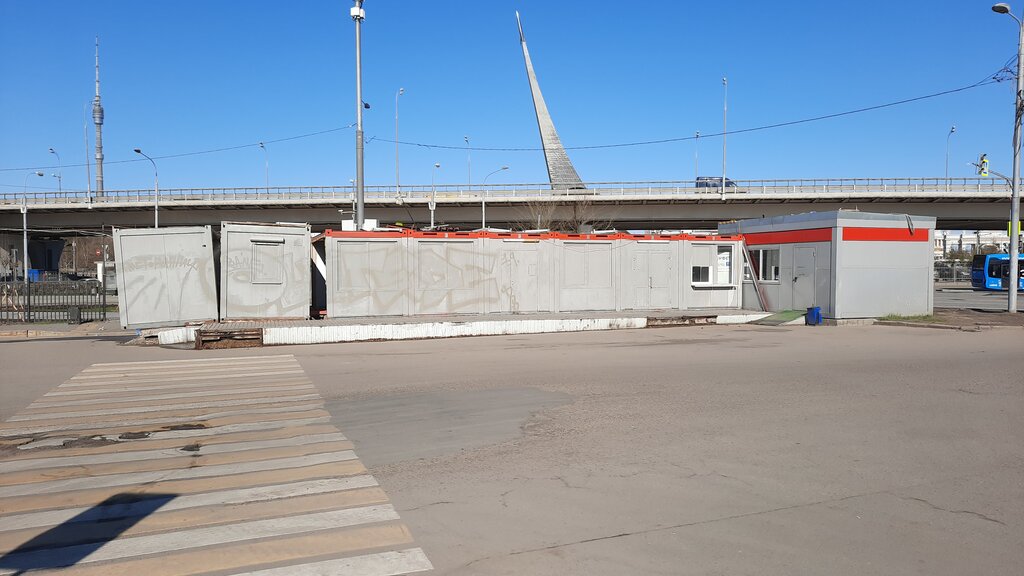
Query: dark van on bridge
{"points": [[713, 182]]}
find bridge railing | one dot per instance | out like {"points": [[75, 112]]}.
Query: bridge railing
{"points": [[661, 189]]}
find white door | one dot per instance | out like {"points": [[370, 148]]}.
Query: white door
{"points": [[803, 277]]}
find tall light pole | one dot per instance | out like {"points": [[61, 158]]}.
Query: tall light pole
{"points": [[952, 130], [696, 156], [266, 166], [398, 185], [483, 198], [60, 171], [24, 230], [432, 204], [156, 190], [469, 164], [725, 130], [358, 15], [1011, 303]]}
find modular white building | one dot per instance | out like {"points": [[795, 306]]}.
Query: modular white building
{"points": [[850, 264]]}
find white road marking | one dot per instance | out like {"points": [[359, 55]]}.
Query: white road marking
{"points": [[186, 539], [140, 455], [225, 359], [256, 381], [129, 478], [380, 564], [200, 432], [161, 408], [219, 498], [154, 379], [9, 432], [124, 398]]}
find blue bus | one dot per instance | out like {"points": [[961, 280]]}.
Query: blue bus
{"points": [[990, 271]]}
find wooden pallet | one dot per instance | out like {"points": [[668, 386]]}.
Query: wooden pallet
{"points": [[207, 339]]}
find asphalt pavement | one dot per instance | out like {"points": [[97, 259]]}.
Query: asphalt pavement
{"points": [[690, 450]]}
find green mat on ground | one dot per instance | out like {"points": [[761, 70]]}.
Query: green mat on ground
{"points": [[780, 317]]}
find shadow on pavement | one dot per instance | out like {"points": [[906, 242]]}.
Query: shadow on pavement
{"points": [[71, 541]]}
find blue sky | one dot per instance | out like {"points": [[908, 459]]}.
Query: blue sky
{"points": [[189, 76]]}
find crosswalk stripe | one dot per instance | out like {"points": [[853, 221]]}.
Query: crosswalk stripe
{"points": [[195, 466], [254, 382], [130, 478], [131, 399], [156, 363], [184, 539], [380, 564], [158, 454], [220, 435], [252, 555], [186, 501], [6, 432], [181, 460], [190, 485], [166, 521], [163, 378], [74, 412]]}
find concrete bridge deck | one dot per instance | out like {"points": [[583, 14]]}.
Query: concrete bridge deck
{"points": [[957, 203]]}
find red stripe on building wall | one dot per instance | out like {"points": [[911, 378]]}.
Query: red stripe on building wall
{"points": [[790, 237], [884, 235]]}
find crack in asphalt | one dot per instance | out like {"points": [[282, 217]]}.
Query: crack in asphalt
{"points": [[968, 512]]}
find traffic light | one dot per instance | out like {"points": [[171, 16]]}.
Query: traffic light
{"points": [[983, 165]]}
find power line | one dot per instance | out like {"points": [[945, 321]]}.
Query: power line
{"points": [[994, 78], [988, 80], [183, 154]]}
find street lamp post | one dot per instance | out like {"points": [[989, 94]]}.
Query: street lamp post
{"points": [[725, 130], [60, 171], [696, 156], [483, 198], [156, 189], [1013, 280], [398, 186], [469, 164], [24, 230], [432, 204], [266, 167], [952, 130], [358, 15]]}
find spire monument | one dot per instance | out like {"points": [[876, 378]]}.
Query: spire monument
{"points": [[561, 172]]}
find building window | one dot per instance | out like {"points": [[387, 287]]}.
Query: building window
{"points": [[723, 272], [267, 262], [701, 274], [765, 263]]}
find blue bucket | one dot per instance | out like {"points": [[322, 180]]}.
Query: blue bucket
{"points": [[813, 317]]}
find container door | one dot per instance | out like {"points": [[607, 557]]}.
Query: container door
{"points": [[522, 275], [803, 277]]}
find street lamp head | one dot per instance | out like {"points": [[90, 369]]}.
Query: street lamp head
{"points": [[262, 146], [952, 129], [40, 174], [52, 151], [466, 138], [504, 167], [437, 165], [401, 91], [1001, 8], [138, 150]]}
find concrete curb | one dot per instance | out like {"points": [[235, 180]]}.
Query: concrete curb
{"points": [[284, 335]]}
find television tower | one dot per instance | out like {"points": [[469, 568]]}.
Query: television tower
{"points": [[97, 118]]}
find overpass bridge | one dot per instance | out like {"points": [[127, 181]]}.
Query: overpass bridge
{"points": [[957, 203]]}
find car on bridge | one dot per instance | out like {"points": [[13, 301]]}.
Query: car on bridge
{"points": [[713, 182]]}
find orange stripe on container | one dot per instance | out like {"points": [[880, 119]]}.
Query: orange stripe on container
{"points": [[790, 237]]}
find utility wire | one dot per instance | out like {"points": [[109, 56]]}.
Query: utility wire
{"points": [[990, 79], [183, 154]]}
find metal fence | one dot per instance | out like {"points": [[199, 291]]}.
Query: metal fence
{"points": [[953, 271], [56, 301]]}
